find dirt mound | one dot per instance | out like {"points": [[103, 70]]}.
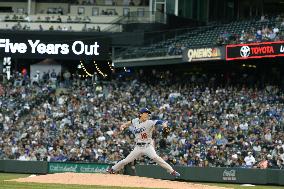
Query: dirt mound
{"points": [[111, 180]]}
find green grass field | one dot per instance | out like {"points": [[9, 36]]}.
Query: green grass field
{"points": [[17, 185]]}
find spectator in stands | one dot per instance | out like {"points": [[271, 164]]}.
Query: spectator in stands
{"points": [[170, 49], [40, 27], [98, 28], [282, 23], [278, 18], [212, 125], [36, 78], [85, 28], [109, 13], [51, 28], [17, 26], [67, 77], [258, 36], [263, 164], [59, 19], [26, 27], [69, 19], [249, 160], [15, 17], [47, 18], [271, 35], [263, 18], [59, 28], [86, 19], [7, 17], [53, 76], [45, 77], [27, 18], [93, 29], [60, 10]]}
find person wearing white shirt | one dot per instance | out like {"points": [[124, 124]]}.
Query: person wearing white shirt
{"points": [[23, 157], [244, 126], [268, 136], [257, 147], [250, 160]]}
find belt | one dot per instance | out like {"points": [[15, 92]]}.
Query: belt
{"points": [[142, 143]]}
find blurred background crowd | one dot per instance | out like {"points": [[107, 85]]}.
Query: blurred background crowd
{"points": [[217, 120]]}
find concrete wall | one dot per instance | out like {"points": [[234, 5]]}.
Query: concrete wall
{"points": [[46, 26], [43, 7], [89, 9]]}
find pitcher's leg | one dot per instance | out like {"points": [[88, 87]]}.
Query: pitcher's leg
{"points": [[163, 164], [151, 153], [131, 157]]}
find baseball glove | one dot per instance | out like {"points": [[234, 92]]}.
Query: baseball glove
{"points": [[166, 131]]}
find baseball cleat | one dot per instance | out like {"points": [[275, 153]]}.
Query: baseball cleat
{"points": [[175, 174], [110, 171]]}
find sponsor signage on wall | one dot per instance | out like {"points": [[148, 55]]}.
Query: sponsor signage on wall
{"points": [[229, 175], [53, 46], [255, 50], [58, 167], [203, 54]]}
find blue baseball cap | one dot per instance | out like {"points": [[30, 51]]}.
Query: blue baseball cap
{"points": [[145, 110]]}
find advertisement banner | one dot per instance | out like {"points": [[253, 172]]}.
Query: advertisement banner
{"points": [[229, 175], [255, 50], [57, 45], [203, 54], [59, 167]]}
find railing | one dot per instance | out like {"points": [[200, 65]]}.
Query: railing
{"points": [[137, 17], [146, 17], [109, 3], [156, 43], [115, 25]]}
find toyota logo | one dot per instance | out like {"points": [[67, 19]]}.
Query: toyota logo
{"points": [[245, 51]]}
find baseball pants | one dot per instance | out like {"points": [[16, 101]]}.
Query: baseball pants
{"points": [[138, 151]]}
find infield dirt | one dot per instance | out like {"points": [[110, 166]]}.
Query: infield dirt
{"points": [[112, 180]]}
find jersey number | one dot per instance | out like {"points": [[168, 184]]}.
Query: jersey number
{"points": [[144, 135]]}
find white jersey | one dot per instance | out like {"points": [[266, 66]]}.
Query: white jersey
{"points": [[143, 130], [143, 134]]}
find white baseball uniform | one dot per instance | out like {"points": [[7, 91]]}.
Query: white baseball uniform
{"points": [[144, 145]]}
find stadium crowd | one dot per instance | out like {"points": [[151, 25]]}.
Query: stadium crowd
{"points": [[216, 121], [264, 30], [268, 32]]}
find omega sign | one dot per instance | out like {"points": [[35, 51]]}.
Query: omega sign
{"points": [[36, 46], [202, 54]]}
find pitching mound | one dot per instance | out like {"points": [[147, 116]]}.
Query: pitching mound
{"points": [[111, 180]]}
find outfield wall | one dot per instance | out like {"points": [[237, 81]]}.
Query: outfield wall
{"points": [[199, 174], [210, 174], [15, 166]]}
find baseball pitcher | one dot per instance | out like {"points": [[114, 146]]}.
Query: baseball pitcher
{"points": [[143, 128]]}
